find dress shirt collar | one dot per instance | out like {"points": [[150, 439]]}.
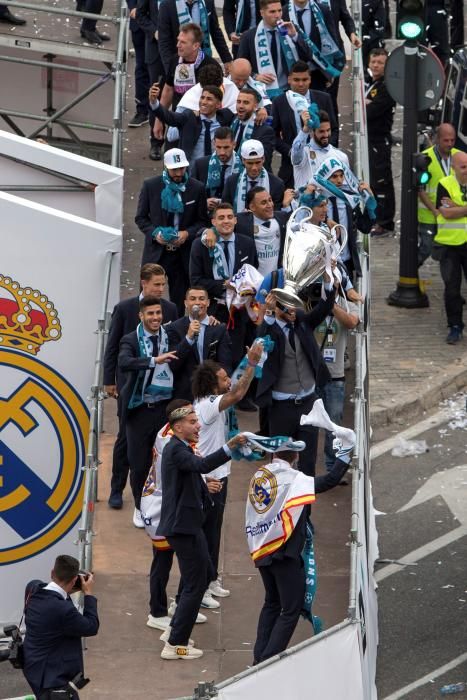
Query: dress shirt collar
{"points": [[52, 586], [229, 239], [204, 322]]}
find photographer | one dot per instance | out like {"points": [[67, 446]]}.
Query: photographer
{"points": [[52, 646]]}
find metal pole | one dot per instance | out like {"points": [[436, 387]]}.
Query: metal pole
{"points": [[46, 64], [408, 294], [39, 118], [60, 11], [118, 96]]}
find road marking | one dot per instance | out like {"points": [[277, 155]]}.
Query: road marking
{"points": [[451, 484], [442, 416], [426, 679], [421, 552]]}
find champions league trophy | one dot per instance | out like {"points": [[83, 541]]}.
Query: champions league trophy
{"points": [[308, 251]]}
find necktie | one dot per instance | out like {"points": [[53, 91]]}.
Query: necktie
{"points": [[253, 183], [274, 55], [155, 351], [222, 182], [300, 19], [291, 335], [227, 255], [335, 210], [207, 137], [267, 224], [238, 139]]}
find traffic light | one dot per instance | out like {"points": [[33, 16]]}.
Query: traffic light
{"points": [[411, 20], [420, 173]]}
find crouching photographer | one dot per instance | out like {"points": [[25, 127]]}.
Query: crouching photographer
{"points": [[52, 648]]}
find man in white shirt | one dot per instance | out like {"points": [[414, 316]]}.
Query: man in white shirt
{"points": [[214, 400], [311, 147]]}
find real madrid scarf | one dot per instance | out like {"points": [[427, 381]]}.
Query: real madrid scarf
{"points": [[264, 58], [351, 195], [311, 577], [184, 17], [239, 202], [247, 131], [220, 270], [161, 381], [215, 171], [185, 76], [276, 497], [242, 289], [171, 196], [298, 104], [329, 57]]}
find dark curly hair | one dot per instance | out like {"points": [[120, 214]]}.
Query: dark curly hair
{"points": [[204, 379]]}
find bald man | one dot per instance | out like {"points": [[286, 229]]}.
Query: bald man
{"points": [[450, 244], [240, 75], [440, 166]]}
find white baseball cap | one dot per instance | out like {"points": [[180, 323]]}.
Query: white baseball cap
{"points": [[175, 158], [252, 149]]}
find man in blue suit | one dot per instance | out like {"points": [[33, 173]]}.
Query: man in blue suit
{"points": [[53, 653]]}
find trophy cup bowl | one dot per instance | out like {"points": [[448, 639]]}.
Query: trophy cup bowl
{"points": [[307, 248]]}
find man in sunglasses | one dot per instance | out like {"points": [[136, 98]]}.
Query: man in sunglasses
{"points": [[450, 243]]}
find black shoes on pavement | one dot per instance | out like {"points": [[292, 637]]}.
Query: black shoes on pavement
{"points": [[115, 500], [95, 37], [9, 18], [155, 152], [138, 120]]}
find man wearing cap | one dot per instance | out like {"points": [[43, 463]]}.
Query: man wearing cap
{"points": [[254, 174], [171, 210], [196, 130]]}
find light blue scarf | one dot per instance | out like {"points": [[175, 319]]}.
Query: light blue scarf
{"points": [[311, 579], [264, 58], [329, 58], [351, 195], [184, 17], [215, 170], [171, 197], [162, 378]]}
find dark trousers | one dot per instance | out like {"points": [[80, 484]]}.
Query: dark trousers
{"points": [[284, 583], [213, 525], [120, 463], [94, 6], [156, 74], [452, 264], [142, 424], [196, 571], [437, 24], [61, 693], [158, 579], [177, 276], [141, 72], [240, 329], [381, 182], [284, 419]]}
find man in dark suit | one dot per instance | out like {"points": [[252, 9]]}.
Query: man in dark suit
{"points": [[286, 120], [89, 29], [125, 318], [53, 653], [254, 174], [195, 340], [293, 371], [145, 357], [141, 74], [184, 214], [147, 16], [342, 16], [245, 128], [225, 163], [265, 226], [169, 25], [196, 130], [239, 16], [184, 499], [275, 77], [237, 250]]}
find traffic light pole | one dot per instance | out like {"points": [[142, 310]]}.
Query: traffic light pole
{"points": [[408, 294]]}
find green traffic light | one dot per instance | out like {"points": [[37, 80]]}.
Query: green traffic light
{"points": [[424, 178], [410, 29]]}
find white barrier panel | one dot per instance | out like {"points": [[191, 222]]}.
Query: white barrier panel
{"points": [[51, 291], [309, 672], [103, 204]]}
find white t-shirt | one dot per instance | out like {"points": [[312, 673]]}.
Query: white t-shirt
{"points": [[213, 432], [268, 243]]}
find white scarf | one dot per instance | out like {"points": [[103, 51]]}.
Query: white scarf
{"points": [[240, 193], [242, 290], [298, 104], [264, 58], [276, 497]]}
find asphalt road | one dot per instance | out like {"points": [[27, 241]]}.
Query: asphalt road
{"points": [[423, 602]]}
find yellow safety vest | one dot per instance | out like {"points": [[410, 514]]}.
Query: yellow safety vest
{"points": [[436, 171], [452, 231]]}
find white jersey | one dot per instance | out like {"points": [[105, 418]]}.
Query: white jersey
{"points": [[214, 431], [307, 157], [190, 99]]}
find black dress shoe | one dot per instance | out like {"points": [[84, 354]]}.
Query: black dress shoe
{"points": [[91, 37], [102, 35], [246, 404], [9, 18], [115, 500], [155, 152]]}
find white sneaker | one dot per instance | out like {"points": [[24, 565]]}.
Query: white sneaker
{"points": [[158, 623], [209, 602], [170, 652], [165, 636], [216, 589], [137, 519], [199, 620]]}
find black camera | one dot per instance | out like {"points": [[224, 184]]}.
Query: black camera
{"points": [[79, 583], [79, 681], [15, 652]]}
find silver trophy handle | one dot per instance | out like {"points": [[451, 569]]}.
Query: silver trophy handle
{"points": [[344, 237]]}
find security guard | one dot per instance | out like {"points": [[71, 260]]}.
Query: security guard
{"points": [[380, 115], [450, 244], [440, 166]]}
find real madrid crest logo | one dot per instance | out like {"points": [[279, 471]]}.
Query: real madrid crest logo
{"points": [[263, 490], [41, 492]]}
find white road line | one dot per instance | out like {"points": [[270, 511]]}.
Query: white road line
{"points": [[421, 552], [402, 692]]}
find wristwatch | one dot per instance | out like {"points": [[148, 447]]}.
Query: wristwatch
{"points": [[269, 312]]}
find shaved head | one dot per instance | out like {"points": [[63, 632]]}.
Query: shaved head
{"points": [[240, 71], [445, 138], [459, 163]]}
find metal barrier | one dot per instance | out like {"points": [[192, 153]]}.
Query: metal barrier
{"points": [[85, 532], [114, 62]]}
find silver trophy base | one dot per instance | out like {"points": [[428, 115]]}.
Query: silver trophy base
{"points": [[287, 299]]}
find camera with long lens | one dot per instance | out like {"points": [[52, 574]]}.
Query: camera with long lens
{"points": [[15, 652]]}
